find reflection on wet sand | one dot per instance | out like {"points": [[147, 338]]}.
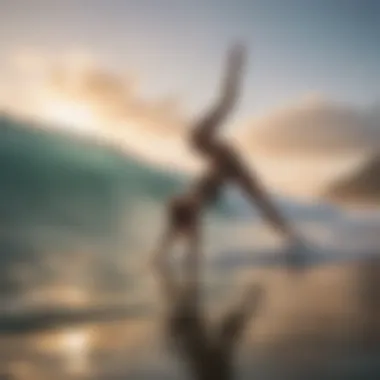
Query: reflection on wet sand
{"points": [[74, 345], [322, 324], [77, 352]]}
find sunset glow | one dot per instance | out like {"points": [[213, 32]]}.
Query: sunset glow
{"points": [[70, 115]]}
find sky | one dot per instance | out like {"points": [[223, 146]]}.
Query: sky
{"points": [[310, 62], [296, 47]]}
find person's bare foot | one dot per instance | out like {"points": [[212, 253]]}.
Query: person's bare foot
{"points": [[296, 255]]}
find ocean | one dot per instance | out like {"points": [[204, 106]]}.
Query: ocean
{"points": [[79, 220]]}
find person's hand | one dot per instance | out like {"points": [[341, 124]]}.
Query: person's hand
{"points": [[237, 56], [236, 62]]}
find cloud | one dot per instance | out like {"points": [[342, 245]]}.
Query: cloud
{"points": [[113, 98], [315, 127], [77, 85], [305, 146]]}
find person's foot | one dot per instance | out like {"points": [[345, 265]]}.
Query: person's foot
{"points": [[296, 255]]}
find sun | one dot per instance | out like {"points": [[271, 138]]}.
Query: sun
{"points": [[70, 115]]}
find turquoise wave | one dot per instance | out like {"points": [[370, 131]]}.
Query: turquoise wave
{"points": [[58, 191]]}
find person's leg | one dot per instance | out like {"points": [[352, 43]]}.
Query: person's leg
{"points": [[203, 132], [257, 194], [166, 278], [183, 224], [165, 243], [250, 184], [187, 319], [191, 267], [180, 215]]}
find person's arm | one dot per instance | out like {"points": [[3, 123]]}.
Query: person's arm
{"points": [[231, 85], [205, 128], [236, 320]]}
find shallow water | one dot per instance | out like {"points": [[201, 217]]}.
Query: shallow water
{"points": [[321, 324]]}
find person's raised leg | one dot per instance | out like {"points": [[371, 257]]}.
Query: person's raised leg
{"points": [[259, 196], [256, 192]]}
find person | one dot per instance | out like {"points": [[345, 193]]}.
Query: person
{"points": [[208, 351], [223, 166]]}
